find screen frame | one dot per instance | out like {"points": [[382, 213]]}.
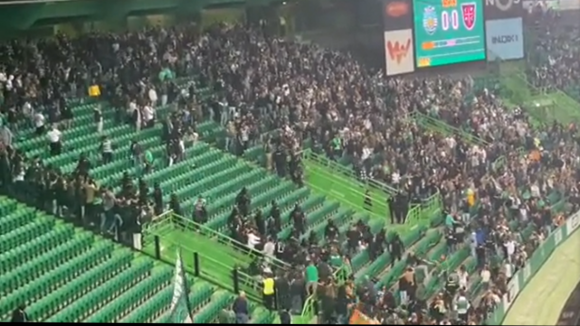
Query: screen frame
{"points": [[484, 36]]}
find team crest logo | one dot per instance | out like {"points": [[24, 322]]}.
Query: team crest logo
{"points": [[468, 11], [430, 20]]}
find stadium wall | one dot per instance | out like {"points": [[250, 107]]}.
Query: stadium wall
{"points": [[534, 264]]}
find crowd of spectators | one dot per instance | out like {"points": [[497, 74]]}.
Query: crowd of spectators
{"points": [[263, 83]]}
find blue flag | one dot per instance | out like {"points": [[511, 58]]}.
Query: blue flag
{"points": [[180, 308]]}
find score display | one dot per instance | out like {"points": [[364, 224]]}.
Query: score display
{"points": [[448, 32]]}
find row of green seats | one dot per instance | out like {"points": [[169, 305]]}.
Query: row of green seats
{"points": [[199, 167], [132, 297], [254, 182], [156, 308], [77, 130], [122, 160], [24, 234], [88, 140], [58, 288], [91, 143], [312, 218], [15, 219], [6, 206], [27, 272], [342, 217], [41, 243], [209, 313], [218, 173], [103, 282], [181, 167], [41, 276]]}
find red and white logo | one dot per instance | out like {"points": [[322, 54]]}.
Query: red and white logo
{"points": [[399, 52], [469, 13]]}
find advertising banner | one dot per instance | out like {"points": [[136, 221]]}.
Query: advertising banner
{"points": [[448, 32], [500, 9], [399, 52], [397, 15], [534, 264], [505, 39]]}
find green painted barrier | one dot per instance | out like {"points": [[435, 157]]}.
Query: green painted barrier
{"points": [[534, 264], [443, 128], [309, 311], [342, 184]]}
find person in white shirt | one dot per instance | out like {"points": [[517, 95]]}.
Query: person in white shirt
{"points": [[253, 240], [269, 250], [510, 249], [55, 142], [130, 112], [153, 96], [462, 306], [98, 118], [485, 277], [28, 112], [39, 122], [148, 116]]}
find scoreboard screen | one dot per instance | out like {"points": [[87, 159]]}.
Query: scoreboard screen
{"points": [[448, 32]]}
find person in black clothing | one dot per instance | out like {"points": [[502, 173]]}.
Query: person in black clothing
{"points": [[19, 315], [157, 199], [243, 202], [200, 212], [175, 206], [391, 205], [331, 231], [276, 225], [353, 235], [280, 161], [299, 220], [400, 207], [260, 223], [241, 309], [83, 165], [396, 248], [368, 203], [285, 317], [283, 292]]}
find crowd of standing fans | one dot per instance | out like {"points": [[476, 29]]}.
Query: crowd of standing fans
{"points": [[278, 93]]}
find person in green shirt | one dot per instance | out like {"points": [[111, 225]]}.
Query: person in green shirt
{"points": [[311, 278]]}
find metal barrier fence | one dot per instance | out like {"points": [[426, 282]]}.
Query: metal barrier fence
{"points": [[310, 305], [417, 213], [350, 192], [446, 129], [159, 243]]}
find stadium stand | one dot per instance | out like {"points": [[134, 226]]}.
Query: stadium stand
{"points": [[65, 274]]}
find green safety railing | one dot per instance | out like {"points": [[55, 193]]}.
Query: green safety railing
{"points": [[446, 129], [229, 277], [341, 276], [422, 213], [336, 167], [419, 213], [177, 222], [354, 195], [158, 242]]}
